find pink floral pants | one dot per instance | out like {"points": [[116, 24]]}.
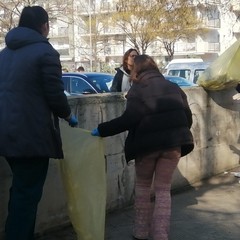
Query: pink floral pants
{"points": [[153, 219]]}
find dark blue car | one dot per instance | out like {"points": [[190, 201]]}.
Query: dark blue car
{"points": [[180, 81], [86, 83]]}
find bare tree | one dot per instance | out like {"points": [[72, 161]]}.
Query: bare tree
{"points": [[180, 22], [137, 20], [81, 22], [147, 21], [10, 11]]}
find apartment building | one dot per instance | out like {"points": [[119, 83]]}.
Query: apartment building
{"points": [[83, 38]]}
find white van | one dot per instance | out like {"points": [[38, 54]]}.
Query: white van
{"points": [[186, 68], [185, 60]]}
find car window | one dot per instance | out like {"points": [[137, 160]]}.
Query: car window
{"points": [[80, 86], [185, 73], [197, 73], [102, 82], [66, 81]]}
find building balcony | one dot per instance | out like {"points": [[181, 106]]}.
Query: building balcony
{"points": [[213, 2], [56, 36], [116, 35], [212, 23], [108, 7], [214, 47], [197, 48]]}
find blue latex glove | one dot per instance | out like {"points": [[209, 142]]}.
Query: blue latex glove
{"points": [[73, 122], [95, 132]]}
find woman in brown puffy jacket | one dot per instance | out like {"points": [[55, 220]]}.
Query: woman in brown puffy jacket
{"points": [[158, 119]]}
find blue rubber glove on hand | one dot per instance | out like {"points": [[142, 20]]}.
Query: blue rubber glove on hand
{"points": [[73, 122], [95, 132]]}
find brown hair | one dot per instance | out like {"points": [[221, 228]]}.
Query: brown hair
{"points": [[125, 57], [141, 64]]}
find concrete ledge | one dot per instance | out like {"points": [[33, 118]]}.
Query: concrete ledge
{"points": [[215, 129]]}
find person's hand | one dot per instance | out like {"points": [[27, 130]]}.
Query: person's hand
{"points": [[72, 121], [95, 132], [236, 96]]}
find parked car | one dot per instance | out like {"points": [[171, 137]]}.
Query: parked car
{"points": [[189, 70], [180, 81], [86, 83]]}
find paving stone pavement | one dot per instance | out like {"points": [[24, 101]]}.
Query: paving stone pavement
{"points": [[208, 210]]}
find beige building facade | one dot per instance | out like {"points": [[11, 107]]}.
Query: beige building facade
{"points": [[82, 38]]}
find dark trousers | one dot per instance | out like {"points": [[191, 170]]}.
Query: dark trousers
{"points": [[29, 175]]}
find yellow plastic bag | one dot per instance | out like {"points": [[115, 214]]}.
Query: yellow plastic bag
{"points": [[224, 72], [84, 178]]}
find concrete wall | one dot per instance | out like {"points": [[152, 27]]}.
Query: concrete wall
{"points": [[216, 134]]}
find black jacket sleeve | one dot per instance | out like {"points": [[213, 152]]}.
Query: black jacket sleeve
{"points": [[135, 110], [117, 82]]}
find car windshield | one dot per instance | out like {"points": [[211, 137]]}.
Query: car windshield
{"points": [[102, 82]]}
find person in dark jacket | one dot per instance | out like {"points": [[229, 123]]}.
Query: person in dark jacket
{"points": [[121, 81], [31, 100], [158, 119]]}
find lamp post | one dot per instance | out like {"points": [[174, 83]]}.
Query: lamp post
{"points": [[90, 32]]}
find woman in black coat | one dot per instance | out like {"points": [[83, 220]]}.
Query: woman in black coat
{"points": [[121, 81], [31, 100], [158, 119]]}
